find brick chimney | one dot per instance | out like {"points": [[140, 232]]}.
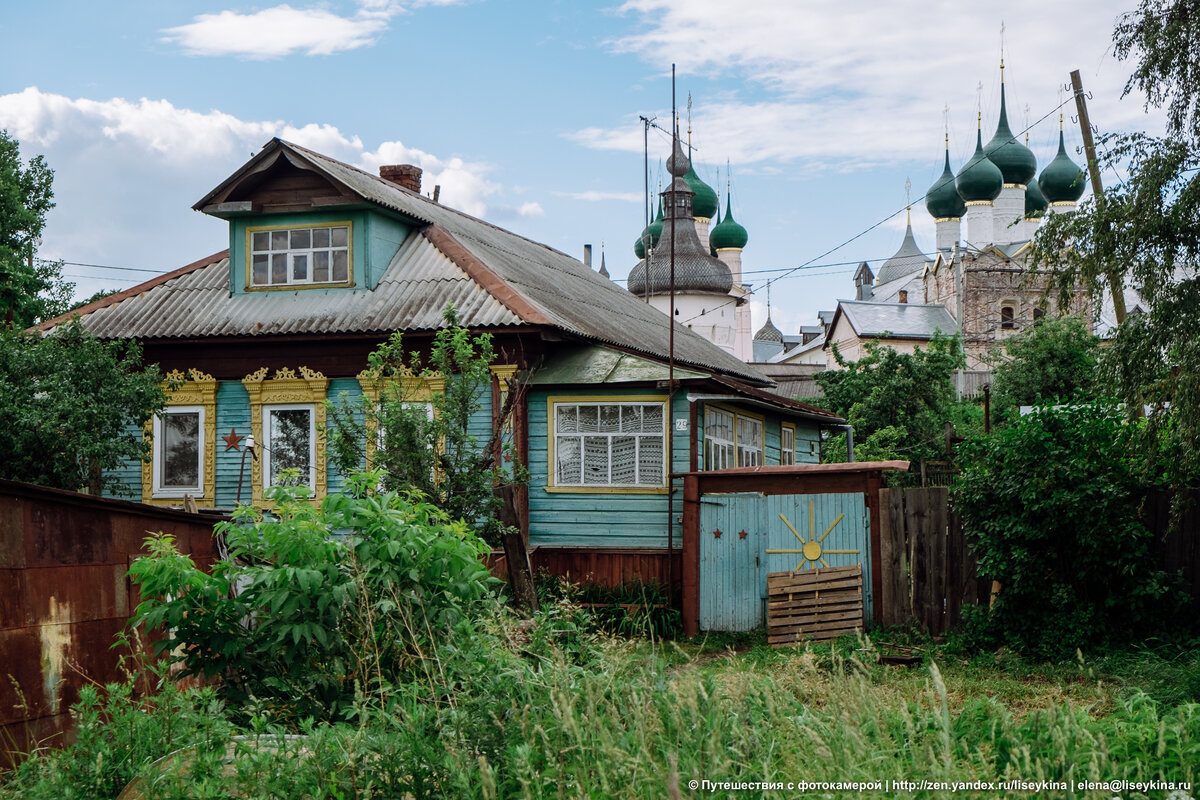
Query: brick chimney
{"points": [[406, 175]]}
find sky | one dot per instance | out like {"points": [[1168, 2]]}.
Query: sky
{"points": [[812, 115]]}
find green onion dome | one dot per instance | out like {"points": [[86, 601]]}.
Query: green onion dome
{"points": [[1062, 180], [942, 199], [654, 229], [704, 200], [728, 233], [979, 179], [1016, 161], [1035, 202]]}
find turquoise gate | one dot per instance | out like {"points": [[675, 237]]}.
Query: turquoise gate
{"points": [[740, 524], [744, 536]]}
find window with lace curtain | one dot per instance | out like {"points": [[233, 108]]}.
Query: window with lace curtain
{"points": [[731, 439], [609, 444]]}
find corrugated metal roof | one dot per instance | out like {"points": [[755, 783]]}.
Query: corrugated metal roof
{"points": [[550, 287], [414, 289], [905, 320], [598, 364]]}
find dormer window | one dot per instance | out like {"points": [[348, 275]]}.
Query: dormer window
{"points": [[310, 256]]}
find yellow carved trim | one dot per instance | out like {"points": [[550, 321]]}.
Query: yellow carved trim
{"points": [[192, 388], [286, 388]]}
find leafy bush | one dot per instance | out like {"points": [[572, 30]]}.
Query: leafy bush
{"points": [[1052, 361], [1052, 505], [315, 604]]}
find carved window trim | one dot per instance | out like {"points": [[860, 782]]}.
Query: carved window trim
{"points": [[197, 389], [285, 387]]}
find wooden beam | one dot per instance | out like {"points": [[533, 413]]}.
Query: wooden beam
{"points": [[691, 555]]}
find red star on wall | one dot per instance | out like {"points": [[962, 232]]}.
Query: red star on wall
{"points": [[232, 440], [717, 533], [742, 534]]}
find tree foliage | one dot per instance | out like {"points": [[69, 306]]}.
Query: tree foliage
{"points": [[425, 441], [1052, 361], [1146, 229], [30, 290], [313, 605], [73, 406], [1051, 504], [897, 403]]}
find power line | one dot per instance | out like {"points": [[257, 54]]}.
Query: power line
{"points": [[101, 266]]}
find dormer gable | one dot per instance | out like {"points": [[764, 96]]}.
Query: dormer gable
{"points": [[293, 226]]}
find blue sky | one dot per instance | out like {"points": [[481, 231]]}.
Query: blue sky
{"points": [[527, 113]]}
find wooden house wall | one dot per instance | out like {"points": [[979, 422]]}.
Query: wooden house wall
{"points": [[805, 432], [600, 519]]}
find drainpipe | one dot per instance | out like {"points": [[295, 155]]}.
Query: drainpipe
{"points": [[849, 442]]}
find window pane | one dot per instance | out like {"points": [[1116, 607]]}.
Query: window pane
{"points": [[259, 274], [262, 240], [181, 450], [595, 460], [624, 460], [320, 266], [290, 438], [569, 461], [652, 418], [568, 419], [341, 266], [300, 268], [279, 268], [589, 419], [339, 236], [279, 240], [301, 239], [631, 419], [610, 419], [320, 237], [650, 461]]}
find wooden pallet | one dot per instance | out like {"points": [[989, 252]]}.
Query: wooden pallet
{"points": [[813, 604]]}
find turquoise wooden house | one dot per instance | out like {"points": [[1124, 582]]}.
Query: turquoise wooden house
{"points": [[325, 261]]}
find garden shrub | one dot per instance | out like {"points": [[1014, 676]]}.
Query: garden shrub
{"points": [[1052, 506], [316, 603]]}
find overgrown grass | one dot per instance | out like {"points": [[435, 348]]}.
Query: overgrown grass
{"points": [[552, 709]]}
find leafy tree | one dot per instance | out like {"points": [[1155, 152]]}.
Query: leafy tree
{"points": [[897, 403], [1052, 506], [429, 445], [73, 406], [1052, 361], [332, 602], [1146, 232], [31, 290]]}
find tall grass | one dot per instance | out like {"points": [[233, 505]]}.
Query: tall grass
{"points": [[553, 711]]}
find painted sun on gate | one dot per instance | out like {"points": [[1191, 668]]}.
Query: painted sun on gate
{"points": [[811, 551]]}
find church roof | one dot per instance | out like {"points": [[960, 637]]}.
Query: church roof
{"points": [[907, 260], [898, 320]]}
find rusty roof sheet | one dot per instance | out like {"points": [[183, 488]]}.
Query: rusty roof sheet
{"points": [[493, 276]]}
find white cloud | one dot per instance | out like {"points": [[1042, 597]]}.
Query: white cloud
{"points": [[592, 196], [531, 209], [851, 86], [279, 31]]}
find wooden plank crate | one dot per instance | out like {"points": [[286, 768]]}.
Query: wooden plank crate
{"points": [[813, 604]]}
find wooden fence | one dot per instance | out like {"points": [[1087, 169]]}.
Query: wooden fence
{"points": [[930, 575], [928, 571]]}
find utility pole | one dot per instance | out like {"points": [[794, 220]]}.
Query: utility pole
{"points": [[1115, 285]]}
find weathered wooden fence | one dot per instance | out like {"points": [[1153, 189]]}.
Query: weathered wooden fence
{"points": [[930, 575], [928, 571]]}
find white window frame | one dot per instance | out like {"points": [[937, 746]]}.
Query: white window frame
{"points": [[719, 452], [292, 253], [159, 457], [312, 439], [557, 437], [787, 449], [751, 456]]}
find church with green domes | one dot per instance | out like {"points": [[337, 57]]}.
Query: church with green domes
{"points": [[984, 217], [710, 297]]}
